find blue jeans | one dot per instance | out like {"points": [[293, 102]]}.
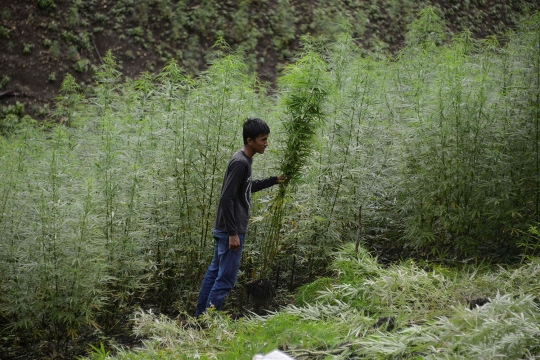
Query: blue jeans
{"points": [[221, 274]]}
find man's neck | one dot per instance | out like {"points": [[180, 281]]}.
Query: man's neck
{"points": [[248, 151]]}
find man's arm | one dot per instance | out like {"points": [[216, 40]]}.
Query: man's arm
{"points": [[257, 185]]}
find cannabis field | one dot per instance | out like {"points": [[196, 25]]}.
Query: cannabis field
{"points": [[408, 228]]}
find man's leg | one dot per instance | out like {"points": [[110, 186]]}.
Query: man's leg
{"points": [[208, 281], [229, 264]]}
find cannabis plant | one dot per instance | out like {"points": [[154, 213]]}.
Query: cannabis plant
{"points": [[305, 87]]}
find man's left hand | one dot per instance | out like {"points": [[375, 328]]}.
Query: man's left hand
{"points": [[282, 178], [234, 242]]}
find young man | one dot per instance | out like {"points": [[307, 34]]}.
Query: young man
{"points": [[232, 216]]}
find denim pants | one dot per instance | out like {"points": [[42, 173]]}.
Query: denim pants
{"points": [[221, 274]]}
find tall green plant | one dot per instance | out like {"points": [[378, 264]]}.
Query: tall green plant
{"points": [[172, 254], [14, 294], [118, 139], [305, 86], [53, 279], [334, 149], [69, 100]]}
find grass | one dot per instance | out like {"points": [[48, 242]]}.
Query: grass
{"points": [[429, 316]]}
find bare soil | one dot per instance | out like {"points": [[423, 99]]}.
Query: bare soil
{"points": [[31, 71]]}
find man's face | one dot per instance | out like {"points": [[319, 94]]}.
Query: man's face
{"points": [[259, 144]]}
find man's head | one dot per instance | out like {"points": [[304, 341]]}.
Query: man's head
{"points": [[255, 135], [254, 128]]}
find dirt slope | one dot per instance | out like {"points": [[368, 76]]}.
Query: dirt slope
{"points": [[42, 40]]}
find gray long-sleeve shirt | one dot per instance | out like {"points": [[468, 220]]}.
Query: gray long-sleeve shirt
{"points": [[235, 201]]}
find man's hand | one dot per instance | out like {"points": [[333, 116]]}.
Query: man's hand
{"points": [[281, 178], [234, 242]]}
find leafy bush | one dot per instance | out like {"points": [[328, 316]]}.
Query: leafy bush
{"points": [[12, 118], [81, 65], [27, 48], [5, 80], [46, 4], [53, 25], [54, 50], [4, 32]]}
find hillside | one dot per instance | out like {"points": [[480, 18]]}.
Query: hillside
{"points": [[43, 40]]}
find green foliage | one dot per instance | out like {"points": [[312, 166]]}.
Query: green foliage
{"points": [[54, 50], [427, 31], [419, 313], [84, 40], [308, 293], [69, 100], [510, 323], [5, 80], [69, 37], [72, 53], [12, 119], [102, 18], [53, 26], [440, 148], [4, 32], [138, 31], [46, 4], [81, 65], [458, 179], [283, 24], [305, 86], [351, 266], [27, 48], [531, 245], [66, 272], [99, 353], [72, 16]]}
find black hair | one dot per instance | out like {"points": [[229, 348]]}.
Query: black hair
{"points": [[253, 128]]}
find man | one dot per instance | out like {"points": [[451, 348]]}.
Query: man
{"points": [[232, 216]]}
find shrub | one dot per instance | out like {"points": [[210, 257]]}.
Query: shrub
{"points": [[53, 26], [54, 50], [5, 80], [4, 32], [81, 65], [27, 48], [12, 117], [46, 4]]}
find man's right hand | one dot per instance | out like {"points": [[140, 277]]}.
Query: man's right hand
{"points": [[234, 242]]}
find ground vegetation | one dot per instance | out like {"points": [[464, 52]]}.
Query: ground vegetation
{"points": [[105, 218]]}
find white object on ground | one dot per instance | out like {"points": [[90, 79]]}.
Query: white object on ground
{"points": [[274, 355]]}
